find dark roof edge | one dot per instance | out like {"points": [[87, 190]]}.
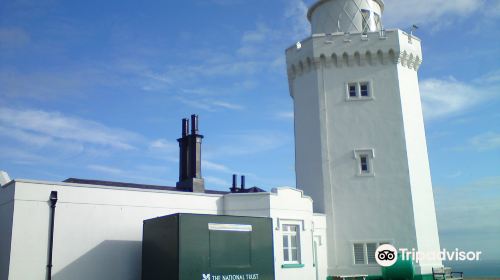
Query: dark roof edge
{"points": [[131, 185]]}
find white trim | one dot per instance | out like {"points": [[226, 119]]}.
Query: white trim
{"points": [[281, 222], [229, 227]]}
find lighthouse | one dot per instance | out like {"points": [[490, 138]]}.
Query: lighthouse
{"points": [[360, 144]]}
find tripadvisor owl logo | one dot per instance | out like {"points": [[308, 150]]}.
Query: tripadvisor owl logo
{"points": [[386, 255]]}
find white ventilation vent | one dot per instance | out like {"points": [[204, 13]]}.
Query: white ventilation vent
{"points": [[370, 252], [359, 253], [4, 178]]}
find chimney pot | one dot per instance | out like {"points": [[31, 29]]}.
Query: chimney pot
{"points": [[243, 182], [194, 124], [185, 127]]}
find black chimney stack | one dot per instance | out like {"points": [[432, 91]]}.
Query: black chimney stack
{"points": [[234, 188], [190, 178], [243, 183]]}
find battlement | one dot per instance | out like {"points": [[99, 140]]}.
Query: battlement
{"points": [[354, 50]]}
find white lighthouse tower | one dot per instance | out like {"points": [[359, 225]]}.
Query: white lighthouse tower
{"points": [[361, 151]]}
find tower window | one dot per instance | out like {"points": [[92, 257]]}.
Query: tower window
{"points": [[352, 90], [364, 162], [359, 91], [364, 90]]}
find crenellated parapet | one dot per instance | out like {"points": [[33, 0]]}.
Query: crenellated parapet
{"points": [[354, 50]]}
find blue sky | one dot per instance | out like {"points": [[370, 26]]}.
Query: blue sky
{"points": [[97, 89]]}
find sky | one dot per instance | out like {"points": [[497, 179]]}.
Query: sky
{"points": [[97, 90]]}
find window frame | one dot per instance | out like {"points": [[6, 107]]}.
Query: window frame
{"points": [[369, 155], [359, 93], [364, 164], [349, 87], [288, 234], [367, 84]]}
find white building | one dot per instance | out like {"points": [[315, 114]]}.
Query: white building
{"points": [[360, 155], [98, 229]]}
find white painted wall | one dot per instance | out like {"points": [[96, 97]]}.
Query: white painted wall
{"points": [[418, 163], [98, 229], [391, 205]]}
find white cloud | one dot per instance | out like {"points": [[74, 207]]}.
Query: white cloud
{"points": [[212, 166], [248, 143], [429, 12], [43, 126], [258, 35], [492, 77], [296, 14], [227, 105], [285, 115], [105, 169], [446, 97], [163, 144], [210, 105], [486, 141]]}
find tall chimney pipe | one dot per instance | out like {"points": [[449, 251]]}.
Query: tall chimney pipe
{"points": [[194, 124], [235, 183], [243, 182], [185, 127]]}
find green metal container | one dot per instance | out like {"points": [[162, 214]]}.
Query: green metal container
{"points": [[401, 270], [207, 247]]}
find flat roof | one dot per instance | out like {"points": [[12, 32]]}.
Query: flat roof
{"points": [[133, 185], [150, 187]]}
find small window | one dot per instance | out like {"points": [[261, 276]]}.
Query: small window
{"points": [[359, 91], [291, 244], [364, 160], [352, 90], [364, 164], [364, 90]]}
